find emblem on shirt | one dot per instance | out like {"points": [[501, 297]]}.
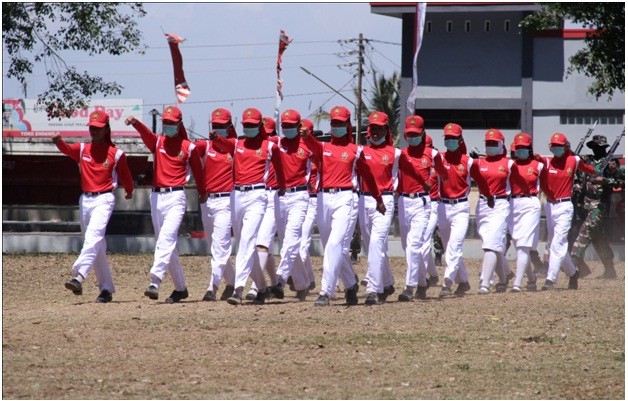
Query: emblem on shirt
{"points": [[460, 168], [344, 156], [530, 171], [424, 162], [258, 152], [500, 169], [181, 154], [229, 158], [385, 159], [569, 171], [300, 152], [106, 163]]}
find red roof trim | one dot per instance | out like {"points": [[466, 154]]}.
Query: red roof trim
{"points": [[565, 33]]}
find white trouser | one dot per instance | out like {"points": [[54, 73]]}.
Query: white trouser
{"points": [[414, 214], [336, 223], [95, 212], [292, 210], [428, 259], [306, 239], [558, 223], [375, 228], [248, 211], [266, 235], [216, 216], [167, 210], [453, 223]]}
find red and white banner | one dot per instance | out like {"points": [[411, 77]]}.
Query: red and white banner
{"points": [[284, 41], [420, 26], [180, 84], [21, 118]]}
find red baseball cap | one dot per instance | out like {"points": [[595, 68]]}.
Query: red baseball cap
{"points": [[523, 139], [98, 119], [558, 139], [308, 124], [339, 113], [269, 125], [221, 116], [452, 129], [512, 147], [172, 113], [428, 141], [378, 118], [414, 124], [251, 116], [290, 117], [493, 135]]}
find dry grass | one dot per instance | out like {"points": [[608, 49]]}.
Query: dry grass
{"points": [[545, 345]]}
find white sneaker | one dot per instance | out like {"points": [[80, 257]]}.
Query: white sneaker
{"points": [[515, 289], [484, 291]]}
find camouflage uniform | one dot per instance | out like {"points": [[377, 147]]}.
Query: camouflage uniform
{"points": [[438, 247], [593, 210]]}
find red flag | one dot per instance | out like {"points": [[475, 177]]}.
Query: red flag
{"points": [[180, 84], [284, 41]]}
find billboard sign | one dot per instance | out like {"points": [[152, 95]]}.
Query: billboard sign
{"points": [[22, 119]]}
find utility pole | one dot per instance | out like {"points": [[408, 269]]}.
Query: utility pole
{"points": [[360, 73]]}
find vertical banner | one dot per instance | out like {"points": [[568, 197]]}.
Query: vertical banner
{"points": [[420, 26], [284, 41], [180, 84]]}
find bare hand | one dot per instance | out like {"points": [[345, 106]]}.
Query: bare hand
{"points": [[599, 180], [202, 198], [281, 191], [130, 120], [128, 195], [56, 138], [490, 201], [381, 207]]}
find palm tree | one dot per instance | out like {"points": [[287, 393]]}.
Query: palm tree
{"points": [[319, 116], [385, 97]]}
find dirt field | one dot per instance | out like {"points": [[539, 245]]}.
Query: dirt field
{"points": [[544, 345]]}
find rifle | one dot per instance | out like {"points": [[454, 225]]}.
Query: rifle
{"points": [[611, 152], [581, 143]]}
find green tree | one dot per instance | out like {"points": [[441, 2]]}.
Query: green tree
{"points": [[603, 57], [319, 116], [40, 32]]}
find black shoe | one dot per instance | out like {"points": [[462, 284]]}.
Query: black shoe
{"points": [[549, 285], [177, 296], [323, 300], [405, 296], [104, 297], [209, 296], [75, 286], [152, 292], [444, 292], [573, 281], [302, 294], [312, 286], [260, 299], [251, 295], [290, 283], [432, 281], [234, 299], [609, 274], [351, 295], [371, 299], [388, 291], [277, 291], [228, 292], [501, 287], [421, 292], [462, 289], [438, 260]]}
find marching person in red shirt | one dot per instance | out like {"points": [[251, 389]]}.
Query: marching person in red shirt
{"points": [[292, 207], [492, 214], [251, 159], [216, 211], [101, 165], [415, 166], [383, 160], [432, 224], [557, 183], [338, 162], [525, 208], [268, 227], [173, 156], [453, 207]]}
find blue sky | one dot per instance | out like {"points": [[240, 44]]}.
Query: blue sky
{"points": [[230, 57]]}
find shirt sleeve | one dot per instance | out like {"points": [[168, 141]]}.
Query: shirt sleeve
{"points": [[366, 175], [73, 151], [197, 171], [124, 174], [275, 159], [148, 137], [474, 171], [224, 144]]}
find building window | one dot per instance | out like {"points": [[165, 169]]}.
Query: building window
{"points": [[471, 119], [428, 26], [507, 25], [487, 26], [589, 117], [449, 26], [467, 26]]}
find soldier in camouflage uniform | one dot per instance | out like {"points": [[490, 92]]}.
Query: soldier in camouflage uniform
{"points": [[597, 192], [438, 248]]}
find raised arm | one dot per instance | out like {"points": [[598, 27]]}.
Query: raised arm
{"points": [[73, 151], [148, 137]]}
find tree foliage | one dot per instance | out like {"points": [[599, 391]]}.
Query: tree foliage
{"points": [[603, 57], [40, 32], [385, 97]]}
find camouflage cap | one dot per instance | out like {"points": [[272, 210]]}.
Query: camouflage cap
{"points": [[597, 141]]}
